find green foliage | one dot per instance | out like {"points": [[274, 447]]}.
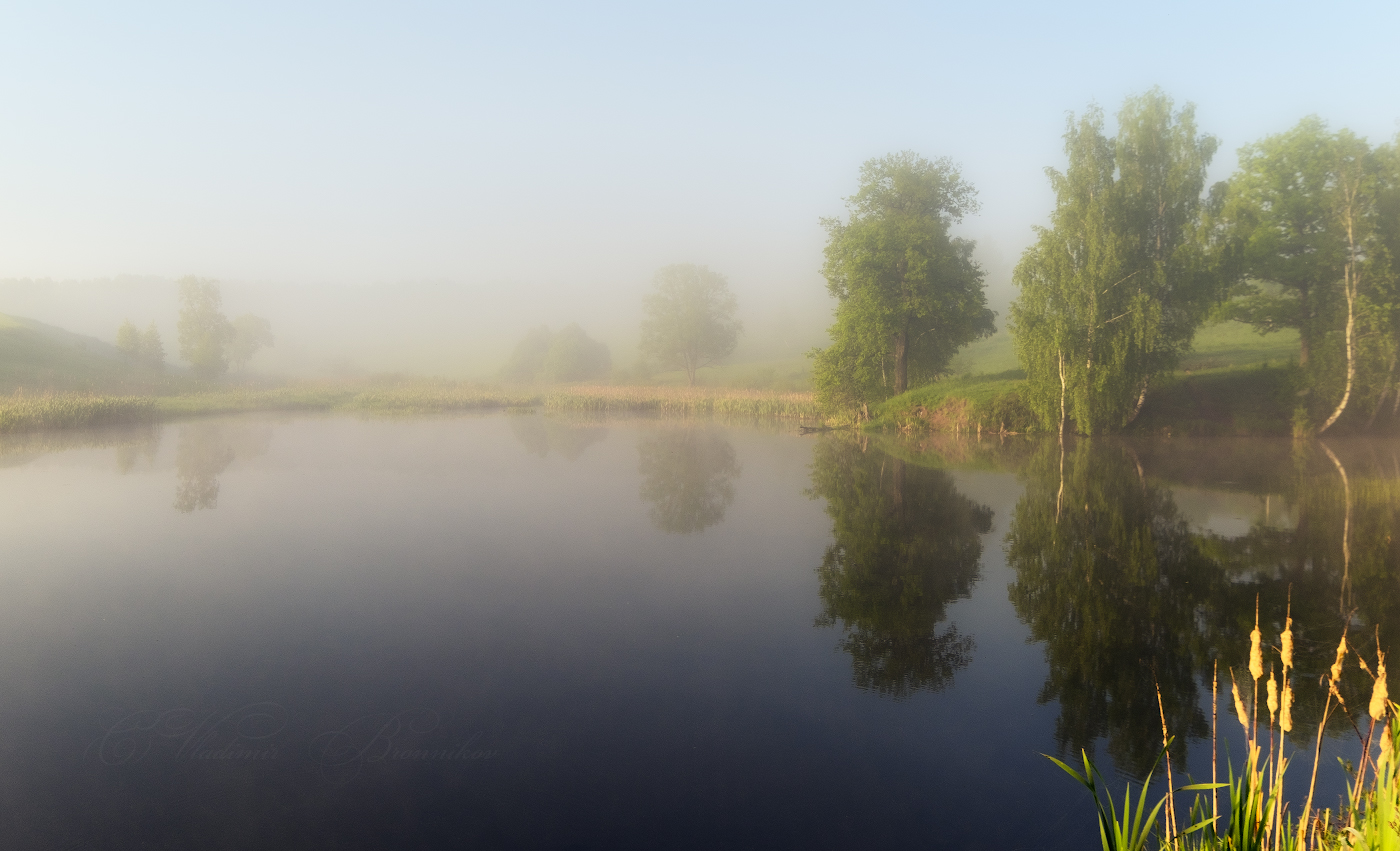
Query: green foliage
{"points": [[150, 350], [569, 355], [205, 333], [250, 333], [1314, 216], [143, 348], [909, 294], [574, 356], [969, 403], [129, 341], [690, 319], [1130, 831], [1113, 291]]}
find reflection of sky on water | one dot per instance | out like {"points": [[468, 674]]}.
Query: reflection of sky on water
{"points": [[1231, 514], [506, 578]]}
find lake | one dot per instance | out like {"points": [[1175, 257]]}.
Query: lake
{"points": [[520, 631]]}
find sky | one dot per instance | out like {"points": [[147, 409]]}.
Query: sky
{"points": [[538, 162]]}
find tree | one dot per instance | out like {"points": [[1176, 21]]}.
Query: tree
{"points": [[575, 356], [1113, 291], [1311, 212], [141, 347], [151, 349], [129, 341], [250, 333], [690, 321], [205, 333], [569, 355], [909, 294]]}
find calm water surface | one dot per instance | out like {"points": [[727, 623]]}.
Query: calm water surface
{"points": [[525, 632]]}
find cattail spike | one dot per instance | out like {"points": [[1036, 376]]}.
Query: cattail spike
{"points": [[1273, 697], [1380, 697], [1285, 717], [1286, 642], [1239, 702], [1337, 665]]}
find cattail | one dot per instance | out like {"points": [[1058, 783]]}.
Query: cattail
{"points": [[1239, 703], [1285, 716], [1286, 640], [1380, 698], [1337, 665], [1387, 746], [1256, 654], [1273, 697]]}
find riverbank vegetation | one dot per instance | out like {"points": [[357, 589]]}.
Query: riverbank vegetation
{"points": [[1297, 246], [393, 395]]}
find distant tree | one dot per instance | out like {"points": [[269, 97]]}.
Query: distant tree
{"points": [[574, 356], [129, 341], [151, 349], [526, 363], [690, 321], [141, 347], [205, 333], [568, 355], [250, 333], [909, 294]]}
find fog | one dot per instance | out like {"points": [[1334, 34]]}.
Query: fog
{"points": [[411, 188]]}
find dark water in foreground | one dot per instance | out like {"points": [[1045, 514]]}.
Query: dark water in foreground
{"points": [[519, 632]]}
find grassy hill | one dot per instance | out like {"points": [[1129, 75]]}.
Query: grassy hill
{"points": [[39, 358]]}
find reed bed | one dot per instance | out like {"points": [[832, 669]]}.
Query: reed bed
{"points": [[20, 413], [684, 402], [1258, 814]]}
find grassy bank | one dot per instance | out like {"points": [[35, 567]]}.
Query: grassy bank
{"points": [[26, 413]]}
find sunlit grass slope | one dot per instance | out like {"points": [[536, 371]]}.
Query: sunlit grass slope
{"points": [[1222, 387]]}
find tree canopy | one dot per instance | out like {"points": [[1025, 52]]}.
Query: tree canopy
{"points": [[549, 356], [205, 333], [1315, 218], [909, 294], [690, 319], [1112, 292]]}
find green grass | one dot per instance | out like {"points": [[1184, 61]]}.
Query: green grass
{"points": [[962, 403], [1234, 400], [1223, 387], [1237, 344]]}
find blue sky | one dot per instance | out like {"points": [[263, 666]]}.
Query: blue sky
{"points": [[563, 152]]}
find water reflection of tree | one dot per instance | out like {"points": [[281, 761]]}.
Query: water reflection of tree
{"points": [[688, 477], [906, 544], [544, 435], [1111, 579], [205, 450], [1126, 596]]}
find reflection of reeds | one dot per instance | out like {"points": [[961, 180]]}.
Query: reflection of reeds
{"points": [[1258, 817]]}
